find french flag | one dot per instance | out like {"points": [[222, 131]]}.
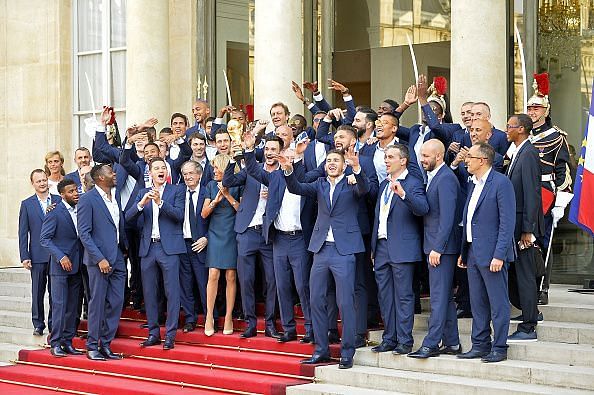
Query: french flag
{"points": [[581, 211]]}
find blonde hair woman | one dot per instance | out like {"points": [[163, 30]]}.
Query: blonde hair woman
{"points": [[54, 169], [220, 205]]}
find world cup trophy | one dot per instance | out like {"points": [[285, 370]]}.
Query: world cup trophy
{"points": [[235, 130]]}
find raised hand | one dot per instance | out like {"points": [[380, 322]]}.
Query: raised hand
{"points": [[397, 188], [336, 113], [337, 86], [352, 159], [225, 110], [411, 95], [249, 139], [301, 146], [149, 123], [422, 89], [285, 162], [137, 137], [169, 139], [311, 86], [106, 115], [297, 90]]}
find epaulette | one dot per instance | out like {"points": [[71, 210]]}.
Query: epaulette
{"points": [[560, 131]]}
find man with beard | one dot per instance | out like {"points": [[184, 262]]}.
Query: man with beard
{"points": [[100, 224], [458, 136], [251, 242], [161, 242], [200, 111], [59, 236]]}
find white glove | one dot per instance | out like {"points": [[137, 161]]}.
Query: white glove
{"points": [[557, 212], [92, 126]]}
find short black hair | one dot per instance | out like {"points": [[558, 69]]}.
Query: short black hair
{"points": [[337, 152], [198, 136], [166, 130], [393, 103], [370, 114], [155, 160], [151, 143], [179, 115], [402, 150], [394, 117], [35, 171], [97, 170], [209, 119], [525, 121], [349, 129], [487, 151], [273, 137], [64, 183], [222, 131]]}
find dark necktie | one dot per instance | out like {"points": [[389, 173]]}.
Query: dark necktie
{"points": [[192, 217]]}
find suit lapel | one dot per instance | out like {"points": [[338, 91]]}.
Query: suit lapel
{"points": [[435, 179], [103, 206], [516, 159], [485, 189], [67, 215], [326, 190], [337, 190]]}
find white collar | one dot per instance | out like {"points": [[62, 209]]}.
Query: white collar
{"points": [[483, 179], [68, 207], [338, 179], [432, 173], [104, 195], [402, 176]]}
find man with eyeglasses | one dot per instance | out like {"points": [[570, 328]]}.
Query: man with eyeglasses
{"points": [[487, 246]]}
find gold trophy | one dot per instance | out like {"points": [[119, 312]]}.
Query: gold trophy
{"points": [[235, 129]]}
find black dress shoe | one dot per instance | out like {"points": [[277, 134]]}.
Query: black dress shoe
{"points": [[272, 332], [58, 352], [473, 354], [463, 313], [107, 353], [68, 349], [402, 349], [38, 332], [494, 356], [451, 350], [249, 332], [144, 326], [360, 341], [425, 352], [333, 337], [345, 363], [307, 339], [543, 298], [169, 344], [95, 355], [316, 358], [384, 347], [287, 337], [151, 341], [189, 327]]}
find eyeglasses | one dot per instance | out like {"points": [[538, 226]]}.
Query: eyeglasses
{"points": [[475, 157], [513, 126]]}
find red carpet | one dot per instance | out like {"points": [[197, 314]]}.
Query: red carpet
{"points": [[198, 364]]}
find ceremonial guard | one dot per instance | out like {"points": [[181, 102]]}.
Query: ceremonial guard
{"points": [[553, 150]]}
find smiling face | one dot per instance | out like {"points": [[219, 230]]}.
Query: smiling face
{"points": [[480, 111], [334, 165], [54, 164], [200, 111], [217, 173], [223, 143], [158, 172], [82, 158], [466, 115], [198, 147], [178, 126], [271, 151], [279, 116], [343, 140], [428, 158], [360, 122], [394, 162], [39, 182], [150, 151], [537, 114], [285, 133], [480, 131], [191, 175]]}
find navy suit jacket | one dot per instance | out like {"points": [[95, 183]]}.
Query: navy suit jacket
{"points": [[443, 131], [413, 168], [442, 233], [275, 181], [30, 220], [59, 236], [366, 206], [96, 229], [338, 213], [171, 219], [309, 156], [464, 177], [493, 221], [498, 141], [404, 224], [74, 176]]}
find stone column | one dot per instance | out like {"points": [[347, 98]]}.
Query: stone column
{"points": [[277, 55], [147, 62], [479, 57]]}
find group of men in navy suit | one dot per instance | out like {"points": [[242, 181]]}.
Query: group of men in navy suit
{"points": [[349, 218]]}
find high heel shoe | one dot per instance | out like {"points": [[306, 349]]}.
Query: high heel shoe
{"points": [[228, 330], [209, 331]]}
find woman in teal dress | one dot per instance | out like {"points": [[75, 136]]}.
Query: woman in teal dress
{"points": [[220, 204]]}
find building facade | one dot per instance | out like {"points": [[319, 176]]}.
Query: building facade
{"points": [[62, 60]]}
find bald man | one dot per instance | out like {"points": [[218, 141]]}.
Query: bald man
{"points": [[441, 245], [498, 139], [200, 111]]}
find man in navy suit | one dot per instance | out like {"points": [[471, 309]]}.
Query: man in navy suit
{"points": [[100, 224], [192, 268], [34, 257], [161, 242], [198, 144], [524, 173], [59, 236], [251, 241], [401, 202], [441, 244], [281, 225], [82, 158], [498, 138], [487, 247], [335, 241]]}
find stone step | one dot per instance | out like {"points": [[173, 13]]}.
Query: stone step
{"points": [[540, 351], [15, 275], [334, 389], [553, 331], [17, 303], [529, 372], [17, 319], [10, 352], [374, 378], [9, 334], [21, 290]]}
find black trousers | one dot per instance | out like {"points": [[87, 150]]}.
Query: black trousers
{"points": [[523, 289]]}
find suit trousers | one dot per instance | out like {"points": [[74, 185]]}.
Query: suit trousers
{"points": [[65, 291], [328, 262], [135, 275], [290, 256], [168, 265], [396, 296], [250, 244], [489, 301], [544, 282], [192, 271], [40, 280], [523, 289], [105, 303], [443, 322]]}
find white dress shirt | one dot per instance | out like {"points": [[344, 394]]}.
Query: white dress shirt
{"points": [[187, 228], [385, 204], [320, 150], [45, 203], [289, 215], [514, 156], [378, 160], [72, 212], [260, 209], [112, 207], [155, 233], [479, 184], [432, 173], [330, 236], [423, 130]]}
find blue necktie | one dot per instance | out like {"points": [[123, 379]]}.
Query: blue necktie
{"points": [[192, 217]]}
